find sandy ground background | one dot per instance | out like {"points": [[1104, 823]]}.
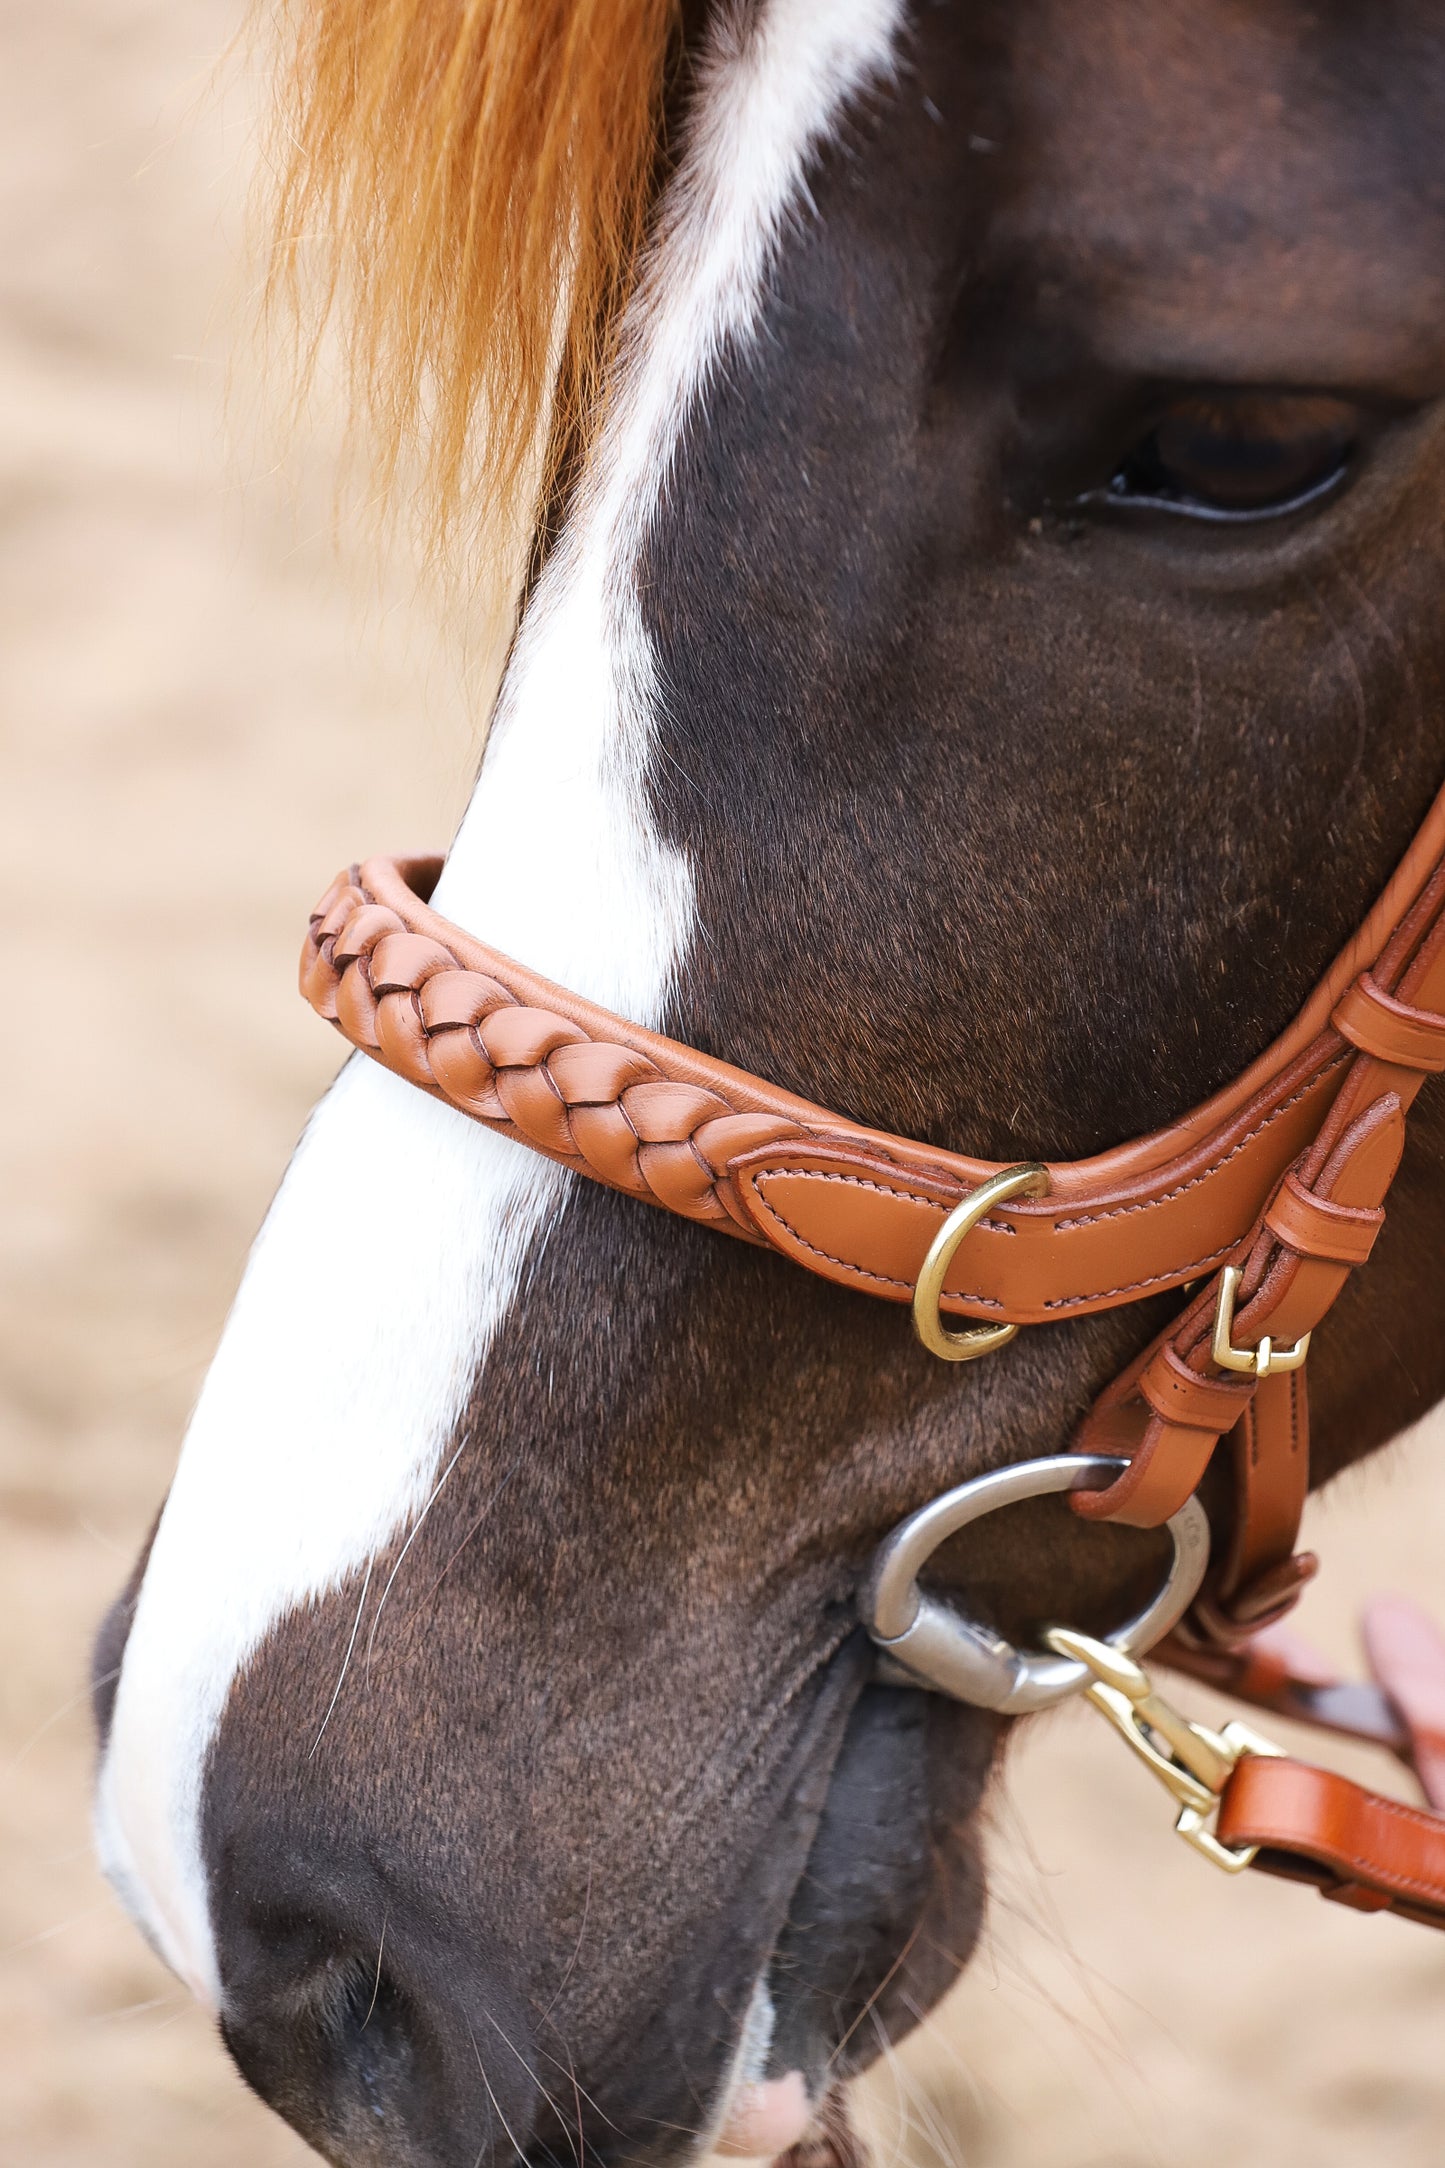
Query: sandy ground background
{"points": [[205, 709]]}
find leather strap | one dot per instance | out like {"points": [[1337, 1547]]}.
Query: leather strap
{"points": [[1279, 1672], [856, 1205], [1293, 1269], [1401, 1706], [1321, 1222], [675, 1127], [1358, 1848]]}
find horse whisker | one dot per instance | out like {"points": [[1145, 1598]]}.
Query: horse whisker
{"points": [[899, 1961], [376, 1983], [512, 2048], [57, 1716], [345, 1661], [577, 1948], [497, 2105], [416, 1528], [476, 1524]]}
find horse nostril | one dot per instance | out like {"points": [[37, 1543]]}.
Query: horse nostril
{"points": [[338, 2059], [380, 2064], [374, 2036]]}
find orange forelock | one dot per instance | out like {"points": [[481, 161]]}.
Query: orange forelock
{"points": [[465, 185]]}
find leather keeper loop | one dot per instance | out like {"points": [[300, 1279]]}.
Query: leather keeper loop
{"points": [[1316, 1226], [1231, 1622], [1167, 1468], [1184, 1398], [1379, 1025]]}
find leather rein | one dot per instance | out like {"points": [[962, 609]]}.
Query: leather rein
{"points": [[1271, 1194]]}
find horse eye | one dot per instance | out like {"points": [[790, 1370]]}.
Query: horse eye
{"points": [[1239, 456]]}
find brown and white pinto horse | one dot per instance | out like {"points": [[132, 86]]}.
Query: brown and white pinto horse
{"points": [[983, 656]]}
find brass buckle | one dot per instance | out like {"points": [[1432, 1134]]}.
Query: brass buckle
{"points": [[1257, 1362], [1192, 1762], [1028, 1180]]}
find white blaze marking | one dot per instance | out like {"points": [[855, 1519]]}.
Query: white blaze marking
{"points": [[395, 1244]]}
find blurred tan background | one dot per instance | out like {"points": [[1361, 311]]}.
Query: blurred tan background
{"points": [[206, 708]]}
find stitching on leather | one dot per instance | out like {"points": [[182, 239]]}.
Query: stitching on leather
{"points": [[861, 1181], [883, 1279], [882, 1189], [1371, 1872], [887, 1279], [1148, 1204], [1130, 1287]]}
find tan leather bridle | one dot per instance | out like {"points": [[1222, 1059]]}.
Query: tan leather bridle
{"points": [[1272, 1193]]}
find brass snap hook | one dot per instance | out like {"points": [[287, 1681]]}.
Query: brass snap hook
{"points": [[1193, 1763], [1028, 1180]]}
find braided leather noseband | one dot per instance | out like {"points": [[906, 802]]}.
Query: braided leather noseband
{"points": [[1272, 1192]]}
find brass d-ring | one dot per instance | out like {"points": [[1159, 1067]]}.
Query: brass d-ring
{"points": [[1028, 1180]]}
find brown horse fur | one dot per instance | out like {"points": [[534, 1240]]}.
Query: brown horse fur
{"points": [[1023, 812]]}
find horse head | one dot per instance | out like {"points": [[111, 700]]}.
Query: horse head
{"points": [[982, 665]]}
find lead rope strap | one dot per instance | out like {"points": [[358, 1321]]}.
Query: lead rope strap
{"points": [[1358, 1848], [1244, 1803]]}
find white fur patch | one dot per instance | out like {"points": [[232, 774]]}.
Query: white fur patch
{"points": [[398, 1237]]}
